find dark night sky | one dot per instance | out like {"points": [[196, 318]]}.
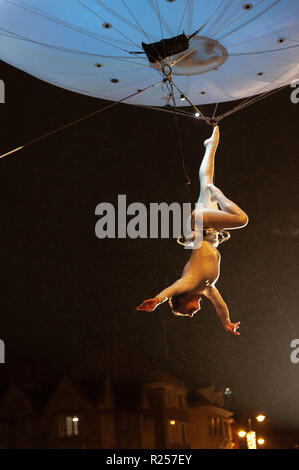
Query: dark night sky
{"points": [[61, 287]]}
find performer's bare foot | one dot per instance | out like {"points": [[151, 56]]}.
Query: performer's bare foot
{"points": [[214, 139], [148, 305]]}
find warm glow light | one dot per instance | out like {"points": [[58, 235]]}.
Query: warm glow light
{"points": [[75, 419], [261, 441], [260, 418], [196, 115], [251, 440], [172, 422], [242, 433]]}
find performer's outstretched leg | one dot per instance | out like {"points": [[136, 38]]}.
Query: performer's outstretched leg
{"points": [[206, 177], [206, 171], [230, 216]]}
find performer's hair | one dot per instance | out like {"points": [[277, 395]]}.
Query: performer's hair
{"points": [[174, 303]]}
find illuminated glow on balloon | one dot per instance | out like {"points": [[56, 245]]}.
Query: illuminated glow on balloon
{"points": [[95, 47]]}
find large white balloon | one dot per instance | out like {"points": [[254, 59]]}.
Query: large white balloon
{"points": [[245, 48]]}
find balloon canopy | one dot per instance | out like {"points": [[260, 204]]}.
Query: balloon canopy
{"points": [[94, 47]]}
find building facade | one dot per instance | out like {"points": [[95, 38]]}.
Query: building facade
{"points": [[157, 412]]}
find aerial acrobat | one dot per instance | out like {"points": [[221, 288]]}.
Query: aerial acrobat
{"points": [[202, 271]]}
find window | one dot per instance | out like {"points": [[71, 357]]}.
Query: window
{"points": [[172, 431], [177, 432], [183, 433], [68, 426], [169, 398], [212, 426], [218, 427], [221, 434], [226, 429], [181, 402]]}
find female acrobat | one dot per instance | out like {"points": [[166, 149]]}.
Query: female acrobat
{"points": [[202, 271]]}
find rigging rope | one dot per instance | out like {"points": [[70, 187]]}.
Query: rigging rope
{"points": [[180, 145], [251, 19], [102, 19], [193, 105], [98, 111], [72, 51], [64, 23], [169, 83]]}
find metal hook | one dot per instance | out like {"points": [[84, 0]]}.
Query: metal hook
{"points": [[167, 73]]}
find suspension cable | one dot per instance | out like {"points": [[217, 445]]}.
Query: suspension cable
{"points": [[179, 138], [94, 113], [208, 121]]}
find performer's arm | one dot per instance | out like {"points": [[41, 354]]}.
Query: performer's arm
{"points": [[222, 309], [182, 285]]}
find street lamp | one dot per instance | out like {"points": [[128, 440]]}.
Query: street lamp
{"points": [[251, 439], [261, 441], [251, 434], [260, 418]]}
